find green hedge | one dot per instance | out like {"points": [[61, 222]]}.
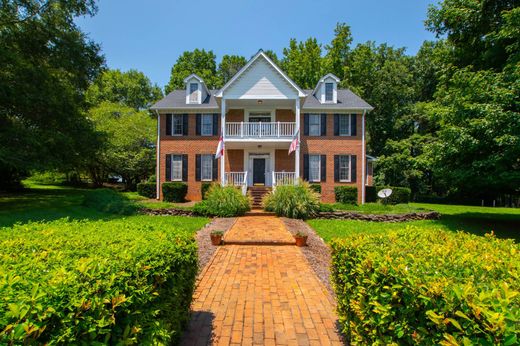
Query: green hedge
{"points": [[400, 195], [346, 194], [316, 187], [295, 201], [96, 282], [204, 187], [147, 189], [109, 201], [370, 194], [223, 202], [427, 287], [174, 191]]}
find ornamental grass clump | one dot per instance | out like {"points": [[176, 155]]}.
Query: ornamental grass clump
{"points": [[95, 282], [427, 287], [221, 201], [293, 201]]}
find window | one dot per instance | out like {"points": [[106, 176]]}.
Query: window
{"points": [[207, 125], [314, 125], [206, 167], [344, 124], [329, 89], [177, 125], [344, 168], [314, 168], [194, 92], [177, 167]]}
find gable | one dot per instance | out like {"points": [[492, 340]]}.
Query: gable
{"points": [[261, 80]]}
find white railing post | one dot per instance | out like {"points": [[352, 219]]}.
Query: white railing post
{"points": [[241, 129], [278, 135]]}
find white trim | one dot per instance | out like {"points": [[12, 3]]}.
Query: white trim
{"points": [[269, 154], [349, 180], [322, 79], [158, 159], [212, 163], [223, 134], [188, 93], [297, 152], [319, 168], [171, 166], [171, 130], [349, 132], [363, 183], [271, 111], [260, 53], [202, 124], [319, 124]]}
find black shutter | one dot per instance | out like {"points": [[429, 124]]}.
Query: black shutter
{"points": [[336, 168], [198, 123], [215, 169], [168, 167], [197, 167], [305, 167], [184, 167], [185, 124], [353, 168], [306, 124], [336, 124], [353, 126], [215, 124], [323, 168], [169, 124], [323, 124]]}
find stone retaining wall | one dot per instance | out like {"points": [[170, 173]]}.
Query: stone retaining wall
{"points": [[347, 215], [167, 212]]}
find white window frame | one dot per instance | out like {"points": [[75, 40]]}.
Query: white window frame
{"points": [[319, 124], [180, 161], [331, 91], [206, 116], [181, 116], [251, 113], [349, 117], [349, 170], [194, 92], [210, 158], [319, 168]]}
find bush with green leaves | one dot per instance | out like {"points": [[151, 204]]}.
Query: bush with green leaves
{"points": [[95, 282], [346, 194], [400, 195], [147, 189], [221, 201], [298, 201], [174, 191], [370, 194], [204, 187], [427, 287], [48, 178], [316, 187], [109, 201]]}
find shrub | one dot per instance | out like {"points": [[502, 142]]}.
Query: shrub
{"points": [[370, 194], [294, 201], [346, 194], [316, 188], [325, 207], [147, 189], [109, 201], [95, 282], [204, 187], [427, 287], [223, 202], [400, 195], [174, 191], [48, 178]]}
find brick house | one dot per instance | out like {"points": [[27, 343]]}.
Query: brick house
{"points": [[259, 112]]}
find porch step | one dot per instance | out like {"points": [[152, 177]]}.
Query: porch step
{"points": [[257, 194]]}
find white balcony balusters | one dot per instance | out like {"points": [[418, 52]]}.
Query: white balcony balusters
{"points": [[237, 179], [274, 130], [283, 178]]}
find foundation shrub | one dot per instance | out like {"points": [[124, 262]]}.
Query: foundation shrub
{"points": [[221, 201], [174, 191], [298, 201], [147, 189], [346, 194]]}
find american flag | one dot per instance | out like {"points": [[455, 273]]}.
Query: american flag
{"points": [[220, 148], [294, 143]]}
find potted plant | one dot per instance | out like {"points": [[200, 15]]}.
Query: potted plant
{"points": [[216, 237], [301, 238]]}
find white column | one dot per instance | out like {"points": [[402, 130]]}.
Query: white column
{"points": [[223, 133], [297, 152], [363, 158], [158, 163]]}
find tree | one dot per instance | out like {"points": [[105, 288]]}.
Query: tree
{"points": [[128, 150], [130, 88], [47, 64], [200, 62], [229, 66], [336, 59], [272, 55], [303, 62]]}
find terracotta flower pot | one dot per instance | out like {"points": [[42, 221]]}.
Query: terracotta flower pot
{"points": [[301, 240], [216, 239]]}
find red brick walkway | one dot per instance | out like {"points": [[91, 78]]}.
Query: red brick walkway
{"points": [[262, 295], [258, 229]]}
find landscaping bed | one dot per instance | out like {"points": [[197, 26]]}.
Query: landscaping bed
{"points": [[348, 215], [167, 212]]}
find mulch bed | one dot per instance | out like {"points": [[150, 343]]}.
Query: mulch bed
{"points": [[206, 249], [348, 215], [317, 251]]}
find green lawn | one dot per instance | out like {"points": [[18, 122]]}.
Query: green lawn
{"points": [[378, 208], [505, 222]]}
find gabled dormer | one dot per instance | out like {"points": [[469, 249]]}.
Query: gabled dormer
{"points": [[196, 91], [326, 90]]}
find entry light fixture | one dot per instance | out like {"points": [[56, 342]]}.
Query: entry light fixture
{"points": [[260, 102]]}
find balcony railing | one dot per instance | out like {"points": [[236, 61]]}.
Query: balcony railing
{"points": [[237, 179], [283, 178], [257, 130]]}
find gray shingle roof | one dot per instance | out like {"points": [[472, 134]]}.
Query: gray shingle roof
{"points": [[346, 100]]}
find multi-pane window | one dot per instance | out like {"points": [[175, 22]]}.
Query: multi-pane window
{"points": [[207, 124], [177, 124], [206, 167], [329, 89], [177, 167], [194, 92], [344, 168], [314, 125], [314, 168], [344, 124]]}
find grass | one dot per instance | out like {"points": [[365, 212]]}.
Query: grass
{"points": [[144, 202], [378, 208], [504, 222]]}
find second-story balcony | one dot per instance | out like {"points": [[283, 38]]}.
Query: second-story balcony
{"points": [[260, 130]]}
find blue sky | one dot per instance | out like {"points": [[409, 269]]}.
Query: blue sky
{"points": [[150, 35]]}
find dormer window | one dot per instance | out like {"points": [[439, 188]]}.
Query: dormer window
{"points": [[194, 92], [329, 92]]}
